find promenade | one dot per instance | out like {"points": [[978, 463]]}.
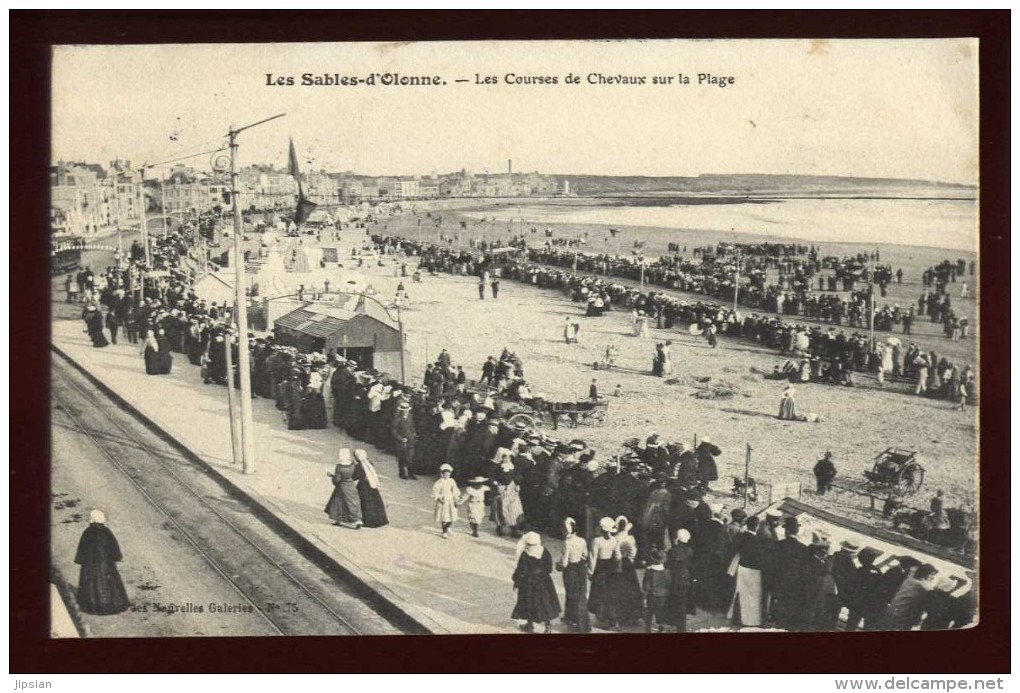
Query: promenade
{"points": [[457, 586]]}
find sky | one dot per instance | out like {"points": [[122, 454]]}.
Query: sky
{"points": [[870, 108]]}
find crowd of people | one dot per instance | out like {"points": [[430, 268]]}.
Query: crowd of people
{"points": [[653, 499], [819, 354]]}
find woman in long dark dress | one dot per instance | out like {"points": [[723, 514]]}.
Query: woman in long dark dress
{"points": [[537, 600], [94, 325], [344, 505], [605, 563], [100, 589], [373, 510], [294, 397], [787, 405], [679, 563], [166, 357], [150, 350], [575, 579], [658, 361], [313, 403], [626, 588]]}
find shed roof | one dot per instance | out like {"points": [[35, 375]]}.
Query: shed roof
{"points": [[318, 320], [312, 323]]}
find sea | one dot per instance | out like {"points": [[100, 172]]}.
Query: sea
{"points": [[950, 224]]}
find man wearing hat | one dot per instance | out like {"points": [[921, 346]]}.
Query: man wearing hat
{"points": [[789, 563], [825, 473], [706, 453], [820, 605], [736, 525], [682, 513], [685, 466], [847, 571], [404, 438], [711, 559], [655, 454], [769, 531], [478, 447]]}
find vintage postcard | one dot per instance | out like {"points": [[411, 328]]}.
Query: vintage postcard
{"points": [[514, 337]]}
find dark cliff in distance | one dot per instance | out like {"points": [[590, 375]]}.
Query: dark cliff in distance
{"points": [[762, 185]]}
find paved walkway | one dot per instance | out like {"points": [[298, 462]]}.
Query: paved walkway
{"points": [[460, 585]]}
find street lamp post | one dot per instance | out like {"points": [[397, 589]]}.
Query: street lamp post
{"points": [[247, 426], [145, 214]]}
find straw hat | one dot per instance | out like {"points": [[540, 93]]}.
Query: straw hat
{"points": [[97, 516], [606, 524], [532, 539], [446, 468]]}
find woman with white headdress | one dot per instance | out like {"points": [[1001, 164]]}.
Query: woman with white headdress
{"points": [[93, 318], [626, 587], [507, 511], [344, 506], [373, 509], [574, 565], [537, 600], [150, 351], [604, 564], [100, 589]]}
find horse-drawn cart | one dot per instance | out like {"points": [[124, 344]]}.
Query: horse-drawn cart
{"points": [[895, 472], [553, 414]]}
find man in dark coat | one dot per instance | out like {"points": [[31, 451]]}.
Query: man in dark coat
{"points": [[685, 469], [627, 493], [825, 473], [706, 453], [657, 456], [711, 559], [847, 572], [404, 438], [907, 605], [478, 448], [768, 532], [682, 513], [444, 360], [790, 562]]}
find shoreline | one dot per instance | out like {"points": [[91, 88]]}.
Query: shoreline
{"points": [[573, 229], [475, 210]]}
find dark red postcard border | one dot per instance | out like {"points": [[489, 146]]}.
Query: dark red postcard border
{"points": [[983, 649]]}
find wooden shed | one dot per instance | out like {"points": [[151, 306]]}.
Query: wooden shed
{"points": [[364, 333]]}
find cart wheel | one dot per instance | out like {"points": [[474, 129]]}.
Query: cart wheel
{"points": [[911, 479], [527, 419]]}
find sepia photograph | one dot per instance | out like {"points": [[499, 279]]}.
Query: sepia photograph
{"points": [[514, 337]]}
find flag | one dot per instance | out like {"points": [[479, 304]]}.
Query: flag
{"points": [[292, 163], [304, 206]]}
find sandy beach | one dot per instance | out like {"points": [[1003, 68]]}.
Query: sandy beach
{"points": [[856, 424]]}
